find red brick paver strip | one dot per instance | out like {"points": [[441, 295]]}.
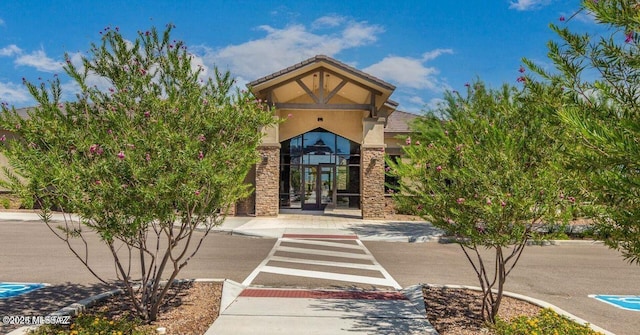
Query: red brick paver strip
{"points": [[315, 294]]}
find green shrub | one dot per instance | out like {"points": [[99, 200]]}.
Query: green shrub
{"points": [[86, 324], [547, 322]]}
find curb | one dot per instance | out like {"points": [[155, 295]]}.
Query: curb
{"points": [[534, 301]]}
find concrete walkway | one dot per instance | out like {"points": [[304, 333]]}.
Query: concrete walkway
{"points": [[330, 312], [253, 310]]}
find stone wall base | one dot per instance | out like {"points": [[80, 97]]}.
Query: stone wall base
{"points": [[372, 181]]}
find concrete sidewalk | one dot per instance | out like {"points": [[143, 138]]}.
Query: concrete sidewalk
{"points": [[287, 311], [345, 222]]}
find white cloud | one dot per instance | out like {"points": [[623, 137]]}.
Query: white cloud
{"points": [[433, 54], [281, 48], [10, 50], [435, 104], [409, 72], [40, 61], [585, 17], [1, 22], [328, 21], [13, 93], [523, 5]]}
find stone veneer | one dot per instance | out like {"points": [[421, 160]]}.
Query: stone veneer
{"points": [[267, 178], [372, 182]]}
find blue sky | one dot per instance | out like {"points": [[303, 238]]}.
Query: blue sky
{"points": [[422, 47]]}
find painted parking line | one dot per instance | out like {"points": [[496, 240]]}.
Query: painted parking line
{"points": [[336, 258], [627, 302], [9, 290]]}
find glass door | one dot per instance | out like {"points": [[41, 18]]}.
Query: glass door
{"points": [[327, 185], [310, 187], [319, 186]]}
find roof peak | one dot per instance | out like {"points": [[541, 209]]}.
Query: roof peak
{"points": [[329, 60]]}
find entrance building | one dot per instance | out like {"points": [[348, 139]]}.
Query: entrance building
{"points": [[328, 150]]}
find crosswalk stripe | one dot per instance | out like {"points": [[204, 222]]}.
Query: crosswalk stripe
{"points": [[324, 253], [323, 243], [387, 280], [325, 263], [327, 275]]}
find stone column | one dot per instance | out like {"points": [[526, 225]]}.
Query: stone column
{"points": [[267, 178], [372, 182]]}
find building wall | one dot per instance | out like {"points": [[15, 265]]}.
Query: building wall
{"points": [[347, 124]]}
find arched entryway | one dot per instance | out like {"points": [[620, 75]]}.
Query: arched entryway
{"points": [[319, 169]]}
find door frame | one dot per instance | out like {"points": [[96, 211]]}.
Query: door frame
{"points": [[318, 205]]}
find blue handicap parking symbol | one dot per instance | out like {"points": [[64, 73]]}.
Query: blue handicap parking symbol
{"points": [[8, 290], [628, 302]]}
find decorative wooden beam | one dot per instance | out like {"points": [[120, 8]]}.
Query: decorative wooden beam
{"points": [[335, 90], [309, 92], [366, 107], [300, 76], [321, 87], [374, 110]]}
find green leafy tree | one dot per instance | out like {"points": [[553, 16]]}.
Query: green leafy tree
{"points": [[483, 169], [143, 163], [600, 104]]}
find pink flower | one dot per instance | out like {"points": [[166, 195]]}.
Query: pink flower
{"points": [[446, 132], [147, 114], [407, 141], [562, 19], [438, 168], [289, 115], [121, 154], [521, 69], [200, 155], [97, 182], [202, 138], [197, 192], [386, 168], [3, 138], [417, 143], [572, 200], [109, 131], [522, 79], [502, 203], [489, 201], [460, 201], [147, 157], [466, 85], [629, 37], [93, 148]]}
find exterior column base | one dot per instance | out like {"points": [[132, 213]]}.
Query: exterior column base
{"points": [[372, 181], [267, 177]]}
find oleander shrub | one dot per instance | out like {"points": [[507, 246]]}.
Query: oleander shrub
{"points": [[547, 322]]}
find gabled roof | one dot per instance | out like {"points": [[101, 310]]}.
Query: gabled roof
{"points": [[330, 61]]}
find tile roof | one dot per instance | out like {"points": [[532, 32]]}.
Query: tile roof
{"points": [[398, 122], [331, 61]]}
